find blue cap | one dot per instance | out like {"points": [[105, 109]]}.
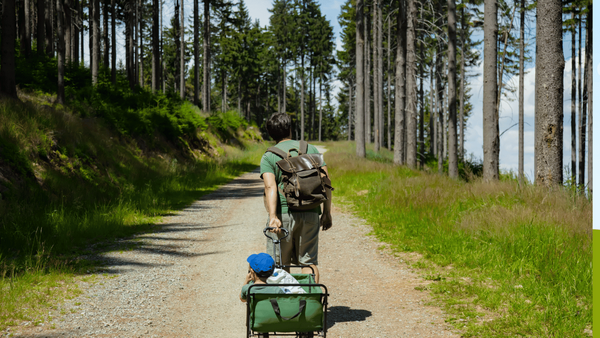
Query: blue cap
{"points": [[262, 263]]}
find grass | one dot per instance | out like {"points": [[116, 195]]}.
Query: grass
{"points": [[52, 262], [70, 182], [502, 259]]}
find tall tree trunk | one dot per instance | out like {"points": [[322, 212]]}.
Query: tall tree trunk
{"points": [[590, 77], [106, 41], [155, 45], [67, 29], [380, 73], [75, 28], [549, 94], [421, 143], [182, 55], [91, 31], [162, 61], [21, 27], [96, 42], [8, 85], [400, 88], [311, 99], [582, 117], [411, 113], [141, 35], [130, 45], [389, 86], [360, 97], [48, 22], [206, 59], [432, 129], [320, 110], [521, 93], [197, 59], [26, 42], [452, 138], [113, 45], [136, 44], [60, 91], [445, 114], [376, 87], [41, 26], [368, 131], [461, 144], [350, 110], [491, 138], [573, 102], [81, 32], [439, 105]]}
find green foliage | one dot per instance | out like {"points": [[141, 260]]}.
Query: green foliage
{"points": [[14, 157], [226, 124], [136, 113]]}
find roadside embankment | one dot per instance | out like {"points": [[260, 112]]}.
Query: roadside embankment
{"points": [[102, 167]]}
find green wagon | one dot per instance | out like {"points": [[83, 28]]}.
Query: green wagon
{"points": [[299, 315]]}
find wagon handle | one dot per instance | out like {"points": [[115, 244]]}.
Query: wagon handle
{"points": [[276, 240]]}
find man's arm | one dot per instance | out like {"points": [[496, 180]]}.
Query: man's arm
{"points": [[271, 197], [326, 221]]}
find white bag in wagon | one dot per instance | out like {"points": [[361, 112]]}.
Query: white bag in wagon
{"points": [[281, 276]]}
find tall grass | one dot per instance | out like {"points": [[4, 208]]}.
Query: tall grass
{"points": [[506, 260]]}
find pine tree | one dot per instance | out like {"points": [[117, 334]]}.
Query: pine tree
{"points": [[452, 138], [206, 58], [400, 88], [360, 103], [491, 138], [549, 94]]}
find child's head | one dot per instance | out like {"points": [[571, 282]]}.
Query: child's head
{"points": [[262, 264]]}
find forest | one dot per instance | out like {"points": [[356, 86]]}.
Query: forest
{"points": [[117, 114], [402, 71]]}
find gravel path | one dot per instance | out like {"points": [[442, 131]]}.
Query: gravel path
{"points": [[183, 279]]}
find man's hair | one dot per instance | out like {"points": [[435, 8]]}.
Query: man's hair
{"points": [[279, 126]]}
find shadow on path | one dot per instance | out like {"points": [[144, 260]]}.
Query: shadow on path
{"points": [[340, 314]]}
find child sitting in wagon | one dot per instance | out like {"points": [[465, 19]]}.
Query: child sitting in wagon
{"points": [[261, 267]]}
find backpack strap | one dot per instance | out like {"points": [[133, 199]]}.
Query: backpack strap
{"points": [[303, 147], [277, 152]]}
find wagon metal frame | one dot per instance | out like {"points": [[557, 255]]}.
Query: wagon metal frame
{"points": [[322, 296]]}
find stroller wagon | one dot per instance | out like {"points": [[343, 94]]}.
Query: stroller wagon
{"points": [[288, 314]]}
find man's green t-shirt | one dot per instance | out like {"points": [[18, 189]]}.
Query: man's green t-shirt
{"points": [[259, 289], [268, 164]]}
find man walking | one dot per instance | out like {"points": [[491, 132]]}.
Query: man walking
{"points": [[301, 246]]}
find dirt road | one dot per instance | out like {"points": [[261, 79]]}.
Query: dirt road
{"points": [[184, 278]]}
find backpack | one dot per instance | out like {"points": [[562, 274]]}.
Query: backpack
{"points": [[305, 183]]}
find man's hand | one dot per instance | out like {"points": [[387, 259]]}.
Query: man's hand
{"points": [[275, 222], [326, 221]]}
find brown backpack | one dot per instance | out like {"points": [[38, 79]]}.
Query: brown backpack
{"points": [[305, 183]]}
